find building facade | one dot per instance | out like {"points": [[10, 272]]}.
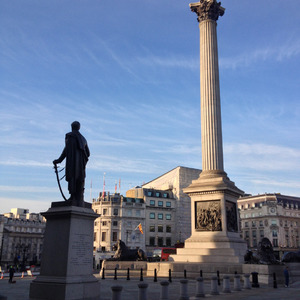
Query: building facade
{"points": [[274, 216], [160, 217], [22, 238], [174, 182], [119, 219]]}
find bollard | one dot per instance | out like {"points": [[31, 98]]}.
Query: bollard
{"points": [[184, 290], [115, 278], [214, 286], [141, 276], [199, 288], [155, 275], [103, 275], [143, 291], [255, 280], [218, 275], [226, 284], [184, 274], [116, 292], [201, 273], [274, 281], [237, 283], [170, 275], [247, 284], [164, 295], [128, 275]]}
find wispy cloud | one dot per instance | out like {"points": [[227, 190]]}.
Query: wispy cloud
{"points": [[262, 157], [171, 61], [277, 53]]}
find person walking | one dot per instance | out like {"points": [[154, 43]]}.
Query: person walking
{"points": [[11, 274], [286, 276]]}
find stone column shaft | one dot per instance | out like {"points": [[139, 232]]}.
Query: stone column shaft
{"points": [[211, 127]]}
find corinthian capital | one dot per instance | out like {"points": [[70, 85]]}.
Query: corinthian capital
{"points": [[207, 10]]}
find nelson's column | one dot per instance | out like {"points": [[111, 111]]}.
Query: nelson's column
{"points": [[214, 217]]}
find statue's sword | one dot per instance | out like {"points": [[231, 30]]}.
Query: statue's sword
{"points": [[58, 181]]}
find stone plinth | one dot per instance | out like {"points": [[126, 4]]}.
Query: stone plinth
{"points": [[67, 257], [214, 219]]}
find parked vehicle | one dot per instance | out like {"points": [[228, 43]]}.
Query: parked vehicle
{"points": [[162, 254]]}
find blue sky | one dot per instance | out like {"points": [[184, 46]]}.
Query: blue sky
{"points": [[129, 72]]}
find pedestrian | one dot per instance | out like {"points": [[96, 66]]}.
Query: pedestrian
{"points": [[11, 274], [286, 276]]}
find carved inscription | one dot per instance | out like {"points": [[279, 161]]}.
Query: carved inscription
{"points": [[208, 216], [81, 249]]}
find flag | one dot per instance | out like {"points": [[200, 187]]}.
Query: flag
{"points": [[140, 228], [116, 187]]}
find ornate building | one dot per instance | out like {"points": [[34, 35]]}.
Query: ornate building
{"points": [[22, 238], [274, 216]]}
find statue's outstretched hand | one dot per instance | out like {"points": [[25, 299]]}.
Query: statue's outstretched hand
{"points": [[56, 161]]}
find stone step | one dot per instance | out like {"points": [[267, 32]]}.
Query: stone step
{"points": [[206, 258], [191, 251]]}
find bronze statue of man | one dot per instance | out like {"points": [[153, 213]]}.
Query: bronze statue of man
{"points": [[76, 152]]}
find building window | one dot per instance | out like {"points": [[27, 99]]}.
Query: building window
{"points": [[95, 236], [152, 241], [160, 203], [160, 228], [152, 228], [253, 224], [137, 213], [165, 195], [168, 216], [168, 228], [273, 222], [157, 194], [160, 241], [261, 233], [104, 223], [115, 223], [115, 236], [274, 233], [254, 233], [168, 242], [103, 239], [152, 202], [129, 213], [275, 243], [168, 204], [254, 243], [149, 193], [160, 216], [116, 211], [152, 215], [246, 224], [261, 223], [246, 234], [104, 211]]}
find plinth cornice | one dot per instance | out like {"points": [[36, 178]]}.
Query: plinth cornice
{"points": [[207, 10]]}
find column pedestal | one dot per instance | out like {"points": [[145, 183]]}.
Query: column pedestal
{"points": [[67, 257], [215, 234]]}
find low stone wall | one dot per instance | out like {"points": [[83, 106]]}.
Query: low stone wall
{"points": [[192, 269], [122, 267], [265, 272]]}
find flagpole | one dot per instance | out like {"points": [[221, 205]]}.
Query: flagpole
{"points": [[103, 193]]}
